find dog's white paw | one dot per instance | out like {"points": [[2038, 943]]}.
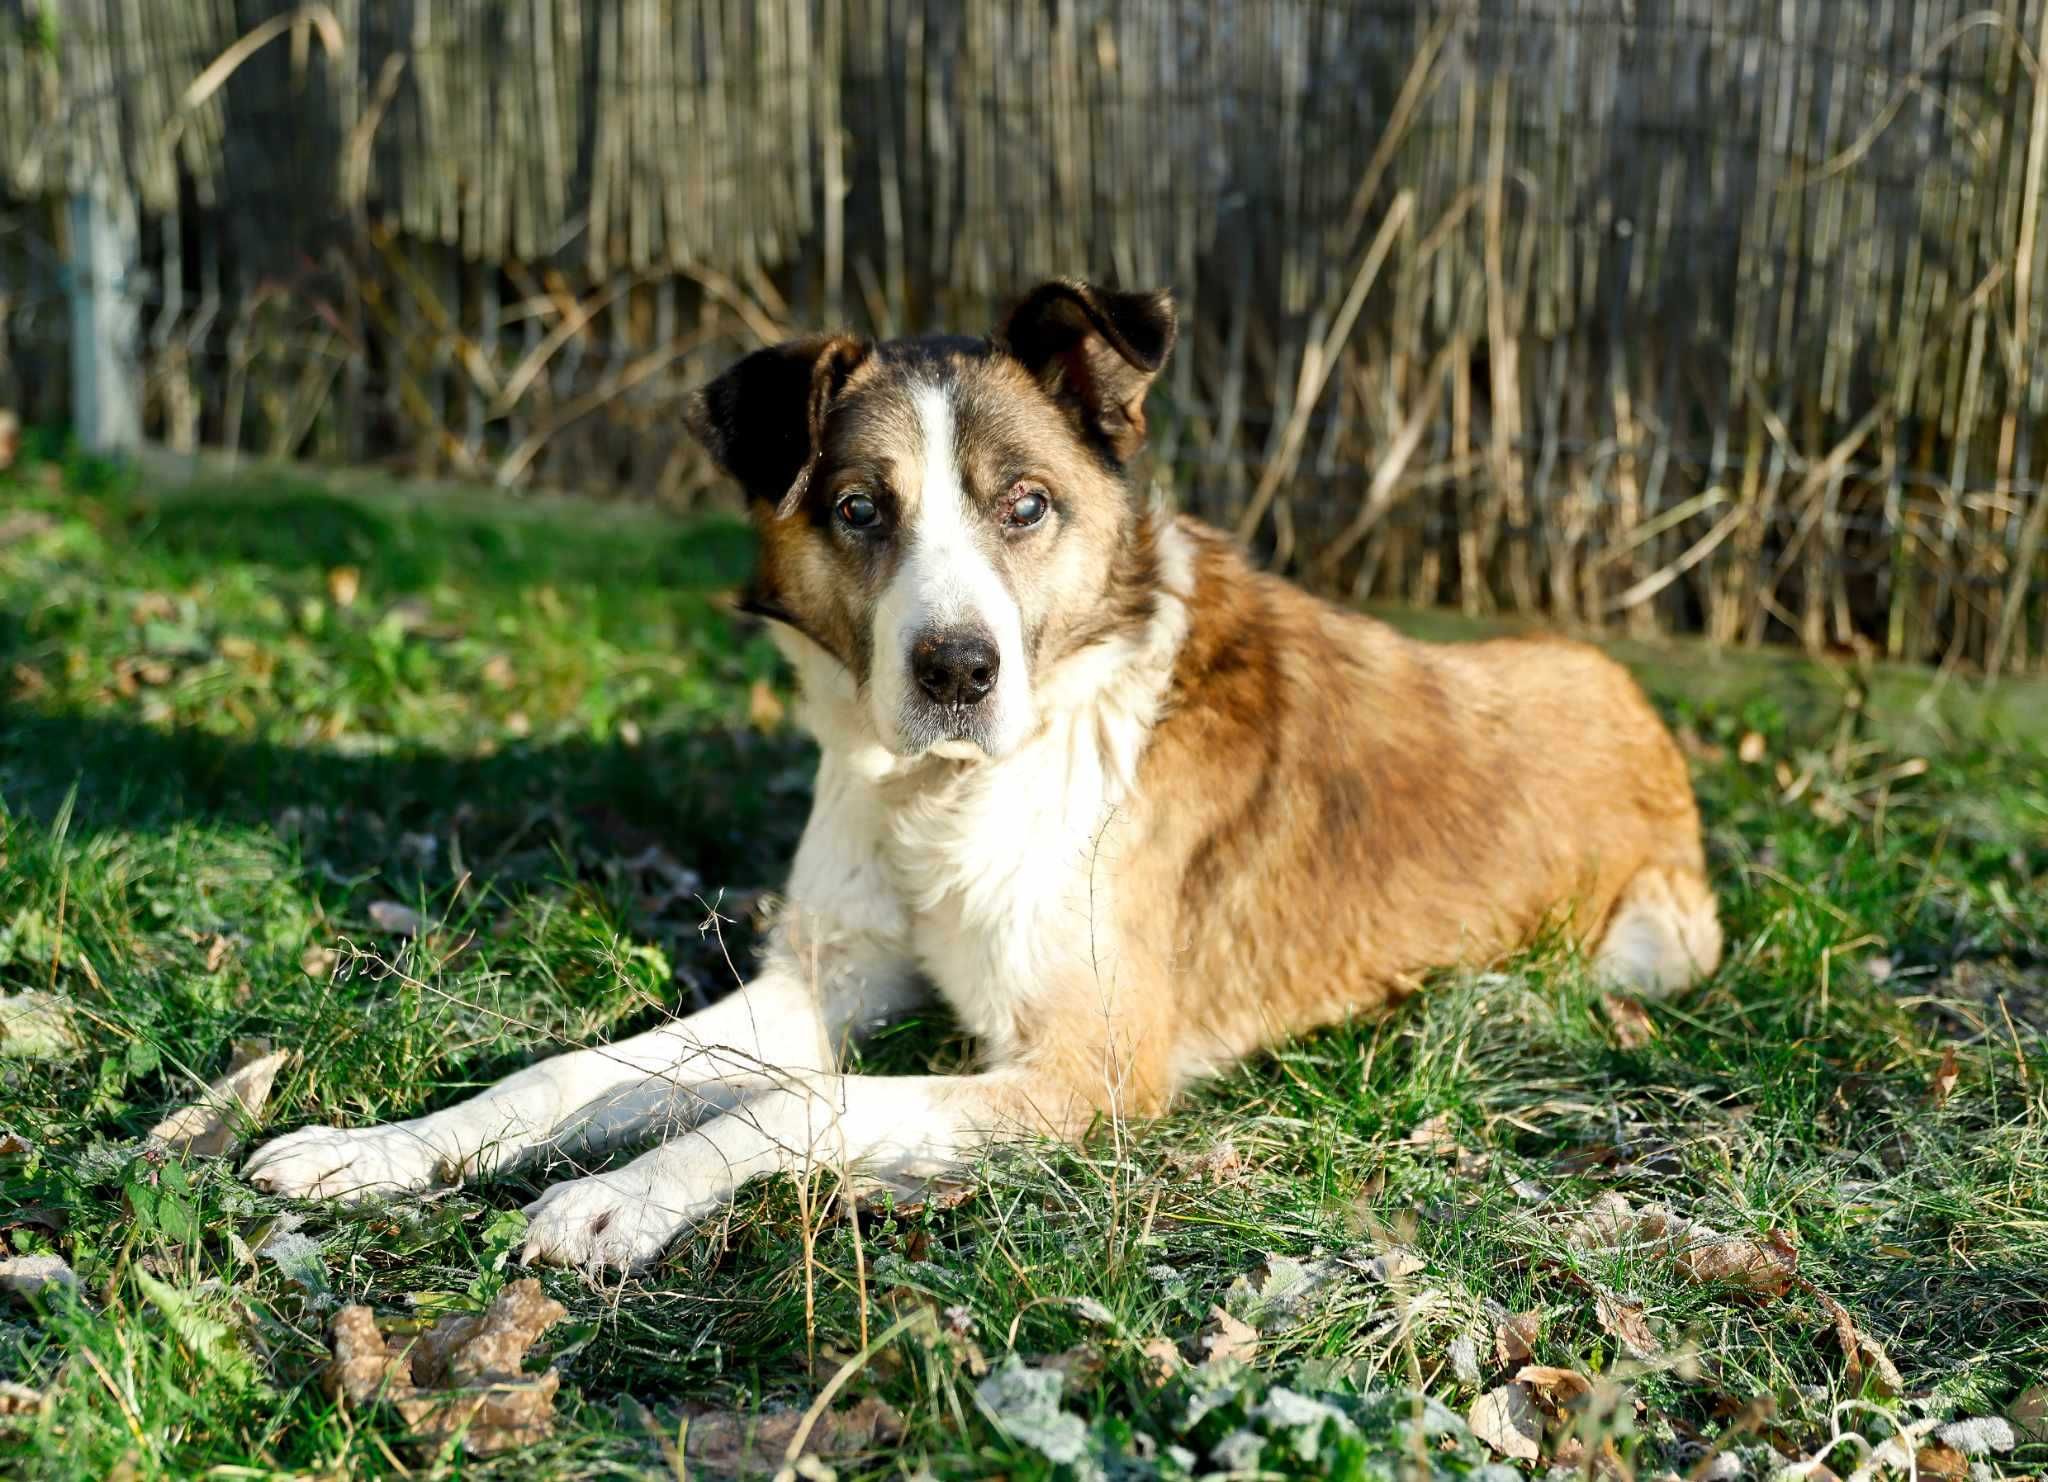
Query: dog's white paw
{"points": [[344, 1163], [621, 1220]]}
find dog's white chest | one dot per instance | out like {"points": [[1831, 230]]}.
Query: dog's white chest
{"points": [[1005, 875]]}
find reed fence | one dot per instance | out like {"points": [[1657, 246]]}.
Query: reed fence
{"points": [[1668, 315]]}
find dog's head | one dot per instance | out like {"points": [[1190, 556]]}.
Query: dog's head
{"points": [[944, 516]]}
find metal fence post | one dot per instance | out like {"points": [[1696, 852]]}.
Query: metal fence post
{"points": [[106, 320]]}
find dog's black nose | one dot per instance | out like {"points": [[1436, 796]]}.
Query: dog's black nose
{"points": [[958, 669]]}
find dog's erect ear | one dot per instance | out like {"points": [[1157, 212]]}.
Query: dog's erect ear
{"points": [[762, 420], [1095, 351]]}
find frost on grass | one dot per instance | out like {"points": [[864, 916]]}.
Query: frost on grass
{"points": [[37, 1026], [463, 1377], [32, 1276], [1024, 1403]]}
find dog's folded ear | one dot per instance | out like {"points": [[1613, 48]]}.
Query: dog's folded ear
{"points": [[762, 420], [1095, 351]]}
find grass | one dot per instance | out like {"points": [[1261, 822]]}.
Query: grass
{"points": [[239, 717]]}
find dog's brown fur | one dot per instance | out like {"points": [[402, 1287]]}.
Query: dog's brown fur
{"points": [[1328, 811]]}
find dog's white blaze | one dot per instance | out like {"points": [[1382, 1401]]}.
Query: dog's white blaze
{"points": [[946, 583]]}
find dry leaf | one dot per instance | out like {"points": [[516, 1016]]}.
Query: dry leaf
{"points": [[28, 1276], [399, 920], [1215, 1164], [1751, 749], [1227, 1338], [722, 1444], [217, 952], [464, 1375], [1437, 1136], [343, 582], [1629, 1324], [1507, 1420], [1945, 1077], [1942, 1463], [210, 1125], [1556, 1390], [1734, 1260], [491, 1343], [2029, 1414], [1630, 1022], [1161, 1359], [1700, 1254], [1859, 1348], [497, 672], [1514, 1341], [764, 707], [14, 1145], [318, 962], [1396, 1263]]}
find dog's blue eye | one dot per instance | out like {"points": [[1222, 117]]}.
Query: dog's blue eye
{"points": [[859, 512], [1028, 508]]}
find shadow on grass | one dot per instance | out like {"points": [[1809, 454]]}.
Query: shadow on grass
{"points": [[405, 542], [728, 804]]}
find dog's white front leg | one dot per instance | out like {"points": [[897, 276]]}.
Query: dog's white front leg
{"points": [[784, 1020], [902, 1125]]}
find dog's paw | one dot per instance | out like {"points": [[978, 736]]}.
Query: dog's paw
{"points": [[340, 1163], [621, 1220]]}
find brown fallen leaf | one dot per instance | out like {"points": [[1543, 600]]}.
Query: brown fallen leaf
{"points": [[211, 1126], [1630, 1022], [1217, 1163], [1943, 1463], [1437, 1135], [363, 1368], [1514, 1340], [1750, 750], [1227, 1338], [1735, 1260], [1160, 1359], [1556, 1390], [1629, 1324], [318, 962], [14, 1145], [29, 1276], [464, 1376], [343, 582], [1507, 1420], [1700, 1254], [2029, 1414], [1861, 1353], [488, 1344], [1945, 1077], [723, 1444]]}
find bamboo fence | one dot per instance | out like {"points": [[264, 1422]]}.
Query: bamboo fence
{"points": [[1668, 315]]}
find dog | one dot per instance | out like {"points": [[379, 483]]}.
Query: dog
{"points": [[1135, 809]]}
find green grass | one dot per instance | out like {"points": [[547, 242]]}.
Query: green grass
{"points": [[210, 768]]}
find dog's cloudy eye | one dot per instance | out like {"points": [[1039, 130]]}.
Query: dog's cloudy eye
{"points": [[859, 512], [1028, 508]]}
